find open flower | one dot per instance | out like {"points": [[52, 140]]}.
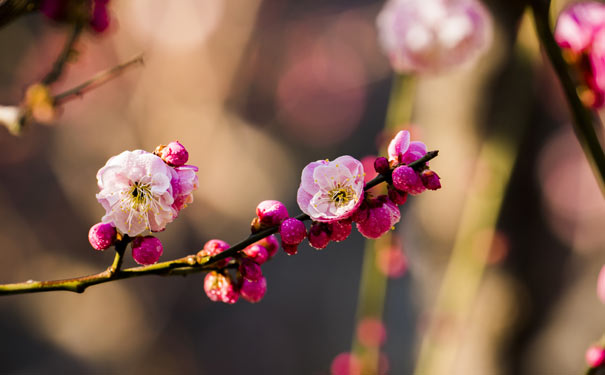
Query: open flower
{"points": [[184, 182], [433, 35], [402, 151], [331, 190], [136, 192]]}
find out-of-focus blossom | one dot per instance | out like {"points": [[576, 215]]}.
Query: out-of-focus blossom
{"points": [[94, 12], [580, 31], [601, 285], [433, 35], [9, 117], [391, 262], [146, 250], [371, 332], [136, 192], [346, 364], [595, 355], [331, 190], [250, 270]]}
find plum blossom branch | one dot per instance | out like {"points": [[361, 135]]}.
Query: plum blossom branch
{"points": [[584, 121], [181, 266]]}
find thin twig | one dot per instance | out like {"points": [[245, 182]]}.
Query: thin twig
{"points": [[97, 80], [181, 266], [65, 55]]}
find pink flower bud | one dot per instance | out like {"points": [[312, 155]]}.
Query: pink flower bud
{"points": [[99, 21], [102, 235], [174, 154], [381, 165], [595, 355], [257, 253], [406, 179], [341, 230], [146, 250], [371, 332], [271, 212], [250, 270], [396, 196], [292, 231], [253, 291], [319, 236], [430, 179], [219, 287], [383, 214], [212, 248], [271, 244], [290, 249]]}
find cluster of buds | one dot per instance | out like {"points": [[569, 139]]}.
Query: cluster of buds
{"points": [[580, 32], [141, 192], [247, 280], [93, 12]]}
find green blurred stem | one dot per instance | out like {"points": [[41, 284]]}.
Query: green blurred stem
{"points": [[181, 266], [584, 121]]}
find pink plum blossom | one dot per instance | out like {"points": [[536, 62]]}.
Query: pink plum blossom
{"points": [[341, 230], [403, 151], [146, 250], [430, 179], [319, 235], [258, 253], [380, 216], [174, 153], [250, 270], [184, 182], [102, 235], [219, 287], [578, 25], [270, 243], [136, 192], [292, 231], [580, 30], [433, 35], [271, 212], [253, 291], [212, 248], [601, 285], [406, 179], [331, 190]]}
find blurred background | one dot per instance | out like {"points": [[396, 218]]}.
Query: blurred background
{"points": [[255, 90]]}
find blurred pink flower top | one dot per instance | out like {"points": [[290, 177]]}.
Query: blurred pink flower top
{"points": [[136, 192], [433, 35], [331, 190], [580, 30]]}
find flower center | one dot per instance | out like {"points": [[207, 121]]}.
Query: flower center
{"points": [[140, 193], [341, 195]]}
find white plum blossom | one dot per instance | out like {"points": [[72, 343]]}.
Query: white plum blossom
{"points": [[136, 190], [433, 35], [331, 190]]}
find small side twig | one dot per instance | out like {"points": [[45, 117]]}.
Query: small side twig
{"points": [[65, 55], [96, 81]]}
